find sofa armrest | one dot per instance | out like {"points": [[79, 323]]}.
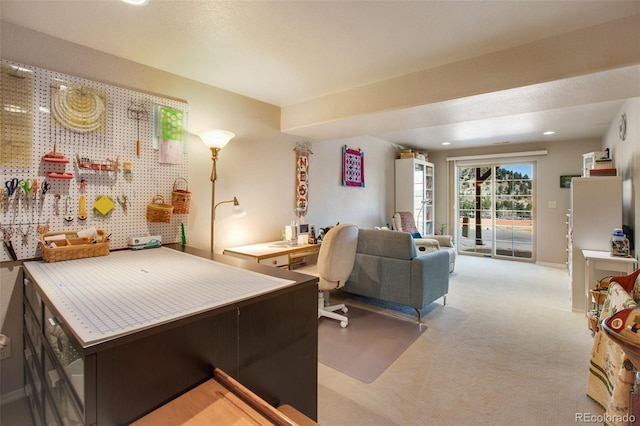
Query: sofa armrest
{"points": [[443, 240], [429, 278], [426, 245]]}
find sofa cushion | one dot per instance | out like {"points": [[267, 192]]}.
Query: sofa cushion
{"points": [[381, 278], [398, 245]]}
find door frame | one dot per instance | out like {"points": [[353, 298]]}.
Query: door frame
{"points": [[455, 165]]}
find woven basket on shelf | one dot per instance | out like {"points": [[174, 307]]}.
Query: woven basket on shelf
{"points": [[71, 246], [158, 211], [599, 295], [180, 198]]}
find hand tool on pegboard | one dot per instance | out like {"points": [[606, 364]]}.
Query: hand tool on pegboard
{"points": [[7, 234], [137, 111]]}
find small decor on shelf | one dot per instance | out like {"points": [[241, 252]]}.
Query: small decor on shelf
{"points": [[619, 243]]}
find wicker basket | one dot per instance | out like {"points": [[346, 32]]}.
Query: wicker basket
{"points": [[180, 198], [158, 211], [599, 295], [72, 247]]}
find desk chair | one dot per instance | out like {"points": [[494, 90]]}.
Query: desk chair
{"points": [[335, 262]]}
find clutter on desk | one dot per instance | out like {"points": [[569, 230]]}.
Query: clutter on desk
{"points": [[149, 241], [69, 245]]}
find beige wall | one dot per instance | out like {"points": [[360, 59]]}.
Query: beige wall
{"points": [[563, 158], [626, 157], [331, 202]]}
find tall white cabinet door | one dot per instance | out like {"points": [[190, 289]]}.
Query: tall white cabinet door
{"points": [[415, 192], [596, 209]]}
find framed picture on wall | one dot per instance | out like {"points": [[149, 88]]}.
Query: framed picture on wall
{"points": [[565, 180], [352, 167]]}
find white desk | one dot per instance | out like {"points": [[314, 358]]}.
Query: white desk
{"points": [[603, 261], [280, 254]]}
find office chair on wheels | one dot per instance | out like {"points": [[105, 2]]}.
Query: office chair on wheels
{"points": [[335, 262]]}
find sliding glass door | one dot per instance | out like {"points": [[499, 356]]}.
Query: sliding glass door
{"points": [[475, 213], [495, 210]]}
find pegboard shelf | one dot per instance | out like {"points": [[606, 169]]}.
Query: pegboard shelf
{"points": [[55, 160], [54, 175], [53, 126]]}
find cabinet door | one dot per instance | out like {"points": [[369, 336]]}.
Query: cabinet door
{"points": [[428, 227], [419, 193], [68, 356], [279, 349], [423, 196], [135, 377]]}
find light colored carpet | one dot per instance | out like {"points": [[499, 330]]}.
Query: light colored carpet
{"points": [[506, 349], [370, 344]]}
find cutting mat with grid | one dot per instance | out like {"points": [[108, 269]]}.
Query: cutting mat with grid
{"points": [[103, 297], [29, 132]]}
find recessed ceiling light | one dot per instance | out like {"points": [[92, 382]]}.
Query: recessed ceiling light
{"points": [[446, 143], [549, 132], [136, 2]]}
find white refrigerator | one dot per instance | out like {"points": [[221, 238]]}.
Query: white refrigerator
{"points": [[596, 209]]}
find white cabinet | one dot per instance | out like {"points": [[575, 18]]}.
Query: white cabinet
{"points": [[414, 192], [596, 209]]}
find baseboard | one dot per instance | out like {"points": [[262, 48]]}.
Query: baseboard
{"points": [[552, 265], [12, 396]]}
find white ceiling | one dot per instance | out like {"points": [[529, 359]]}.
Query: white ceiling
{"points": [[287, 52]]}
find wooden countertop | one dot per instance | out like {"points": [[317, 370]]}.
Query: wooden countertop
{"points": [[222, 400]]}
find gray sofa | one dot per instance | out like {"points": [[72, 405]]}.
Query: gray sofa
{"points": [[388, 268]]}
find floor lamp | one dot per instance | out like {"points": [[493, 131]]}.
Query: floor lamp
{"points": [[215, 140]]}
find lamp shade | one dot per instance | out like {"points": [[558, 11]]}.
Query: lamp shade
{"points": [[216, 138]]}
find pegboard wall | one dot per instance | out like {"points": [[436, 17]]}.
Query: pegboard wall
{"points": [[117, 177]]}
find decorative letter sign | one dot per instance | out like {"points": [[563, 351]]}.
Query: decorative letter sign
{"points": [[302, 149]]}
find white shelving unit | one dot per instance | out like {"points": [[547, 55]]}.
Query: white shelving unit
{"points": [[590, 161], [415, 192]]}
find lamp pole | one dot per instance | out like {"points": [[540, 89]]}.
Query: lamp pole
{"points": [[214, 159], [215, 140]]}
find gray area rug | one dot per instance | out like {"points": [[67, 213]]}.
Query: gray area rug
{"points": [[370, 344]]}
